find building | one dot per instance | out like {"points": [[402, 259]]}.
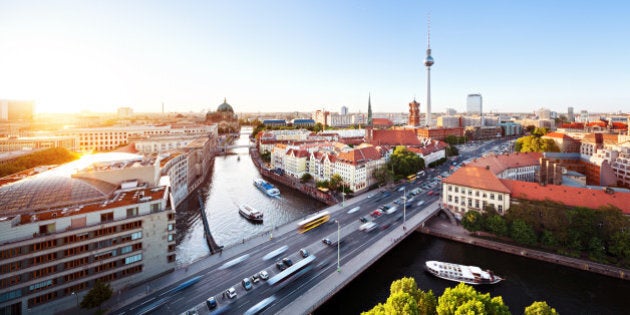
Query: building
{"points": [[448, 121], [570, 115], [439, 133], [224, 117], [303, 122], [344, 110], [564, 142], [414, 114], [511, 129], [474, 105], [543, 113], [474, 188], [60, 233], [14, 143], [125, 112], [13, 111]]}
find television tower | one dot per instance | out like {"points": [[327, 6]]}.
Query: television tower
{"points": [[428, 62]]}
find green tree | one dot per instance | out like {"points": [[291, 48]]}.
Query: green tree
{"points": [[522, 233], [619, 246], [336, 182], [473, 221], [401, 303], [468, 299], [404, 162], [540, 308], [100, 293], [382, 175], [266, 156], [497, 225], [318, 127], [539, 132], [306, 178]]}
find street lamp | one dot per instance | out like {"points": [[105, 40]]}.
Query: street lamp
{"points": [[343, 198], [77, 297], [404, 207], [338, 245]]}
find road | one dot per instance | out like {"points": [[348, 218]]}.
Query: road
{"points": [[215, 280]]}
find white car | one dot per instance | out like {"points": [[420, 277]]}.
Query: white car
{"points": [[263, 275], [391, 210], [367, 227], [231, 293]]}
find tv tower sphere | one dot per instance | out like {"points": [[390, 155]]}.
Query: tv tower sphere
{"points": [[428, 61]]}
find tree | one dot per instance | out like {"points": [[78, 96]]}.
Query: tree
{"points": [[306, 178], [404, 162], [100, 293], [497, 225], [336, 182], [266, 156], [401, 303], [382, 175], [318, 127], [540, 308], [468, 299], [472, 221], [522, 233]]}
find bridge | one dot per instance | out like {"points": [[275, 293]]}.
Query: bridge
{"points": [[333, 268]]}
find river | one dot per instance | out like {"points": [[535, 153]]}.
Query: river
{"points": [[569, 290]]}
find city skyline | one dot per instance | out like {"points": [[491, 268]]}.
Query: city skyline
{"points": [[72, 56]]}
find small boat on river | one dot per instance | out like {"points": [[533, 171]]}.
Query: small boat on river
{"points": [[461, 273], [250, 213], [266, 187]]}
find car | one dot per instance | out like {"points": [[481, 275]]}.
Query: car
{"points": [[255, 278], [327, 241], [420, 203], [367, 227], [304, 252], [371, 195], [363, 219], [231, 293], [391, 210], [264, 275], [247, 284], [376, 213], [287, 261], [280, 265], [211, 302]]}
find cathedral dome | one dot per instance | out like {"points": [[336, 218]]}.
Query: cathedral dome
{"points": [[225, 107]]}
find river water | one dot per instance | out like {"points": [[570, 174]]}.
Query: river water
{"points": [[569, 290]]}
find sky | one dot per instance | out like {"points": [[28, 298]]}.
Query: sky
{"points": [[294, 55]]}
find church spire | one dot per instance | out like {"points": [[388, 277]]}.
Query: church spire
{"points": [[369, 118]]}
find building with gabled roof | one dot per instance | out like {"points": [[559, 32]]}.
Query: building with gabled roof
{"points": [[474, 188], [356, 166], [565, 142], [394, 137]]}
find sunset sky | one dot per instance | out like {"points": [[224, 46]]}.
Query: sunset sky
{"points": [[289, 55]]}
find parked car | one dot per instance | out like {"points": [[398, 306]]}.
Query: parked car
{"points": [[255, 278], [280, 265], [287, 261], [264, 275], [211, 302], [327, 241], [247, 284], [231, 293], [304, 252]]}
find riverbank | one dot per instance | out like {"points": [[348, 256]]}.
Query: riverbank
{"points": [[444, 229]]}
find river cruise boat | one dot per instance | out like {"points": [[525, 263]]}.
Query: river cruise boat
{"points": [[250, 213], [266, 187], [461, 273]]}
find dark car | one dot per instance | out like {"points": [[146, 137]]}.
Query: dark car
{"points": [[327, 241], [280, 265], [211, 302], [287, 261], [363, 219]]}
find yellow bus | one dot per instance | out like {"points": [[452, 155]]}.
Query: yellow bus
{"points": [[313, 222], [411, 177]]}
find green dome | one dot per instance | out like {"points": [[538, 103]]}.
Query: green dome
{"points": [[225, 107]]}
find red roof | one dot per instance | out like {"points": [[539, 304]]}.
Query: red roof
{"points": [[358, 156], [499, 163], [395, 137], [476, 177], [570, 196], [557, 135], [382, 122]]}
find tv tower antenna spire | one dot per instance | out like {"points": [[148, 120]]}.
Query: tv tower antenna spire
{"points": [[428, 62]]}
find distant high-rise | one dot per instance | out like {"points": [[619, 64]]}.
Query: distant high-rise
{"points": [[344, 110], [428, 62], [570, 115], [16, 111], [451, 111], [474, 105]]}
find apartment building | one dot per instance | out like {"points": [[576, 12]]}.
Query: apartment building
{"points": [[63, 230]]}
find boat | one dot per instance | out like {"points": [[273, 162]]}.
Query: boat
{"points": [[266, 187], [461, 273], [250, 213]]}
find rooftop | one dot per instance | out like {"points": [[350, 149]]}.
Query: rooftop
{"points": [[476, 177]]}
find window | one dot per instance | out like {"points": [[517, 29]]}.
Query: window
{"points": [[500, 197], [137, 235], [40, 285], [109, 216], [132, 212], [491, 196], [171, 226], [10, 295], [133, 259], [170, 237], [126, 249], [156, 207]]}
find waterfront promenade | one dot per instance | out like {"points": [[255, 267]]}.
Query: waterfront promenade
{"points": [[443, 228]]}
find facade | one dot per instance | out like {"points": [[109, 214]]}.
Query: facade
{"points": [[510, 128], [439, 133], [474, 188], [414, 114], [564, 142], [570, 114], [10, 144], [16, 111], [356, 166], [474, 104], [449, 121], [72, 231]]}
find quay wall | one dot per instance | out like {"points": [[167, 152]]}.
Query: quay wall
{"points": [[460, 235]]}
